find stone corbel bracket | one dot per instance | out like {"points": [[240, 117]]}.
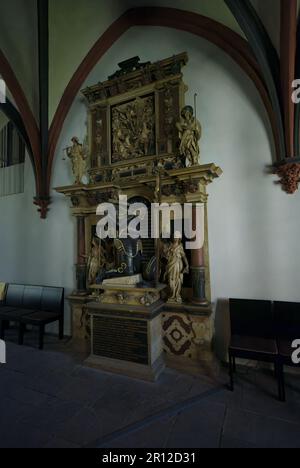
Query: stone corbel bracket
{"points": [[289, 175]]}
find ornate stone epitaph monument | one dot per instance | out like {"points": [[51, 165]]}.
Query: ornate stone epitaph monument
{"points": [[141, 303]]}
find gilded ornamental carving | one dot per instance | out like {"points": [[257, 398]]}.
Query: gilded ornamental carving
{"points": [[143, 142], [133, 129], [190, 132]]}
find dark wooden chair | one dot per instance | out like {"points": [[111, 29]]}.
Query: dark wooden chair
{"points": [[32, 305], [287, 315], [12, 308], [253, 335]]}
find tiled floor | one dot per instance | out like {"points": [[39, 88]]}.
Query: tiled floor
{"points": [[48, 399]]}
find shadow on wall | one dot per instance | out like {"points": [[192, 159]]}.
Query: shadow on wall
{"points": [[222, 329]]}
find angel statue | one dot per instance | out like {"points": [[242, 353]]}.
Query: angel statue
{"points": [[177, 266], [190, 132], [96, 261], [78, 155]]}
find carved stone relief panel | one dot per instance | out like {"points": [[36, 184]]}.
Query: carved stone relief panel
{"points": [[133, 129]]}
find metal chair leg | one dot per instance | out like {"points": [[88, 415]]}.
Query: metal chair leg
{"points": [[21, 333], [231, 386], [41, 336], [276, 371], [281, 382], [61, 328], [2, 328]]}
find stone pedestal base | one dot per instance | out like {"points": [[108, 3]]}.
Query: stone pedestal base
{"points": [[127, 339], [188, 332], [130, 369], [182, 333], [81, 328]]}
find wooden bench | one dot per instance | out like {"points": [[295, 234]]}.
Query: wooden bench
{"points": [[32, 305]]}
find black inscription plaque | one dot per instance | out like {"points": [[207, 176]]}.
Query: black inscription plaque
{"points": [[122, 339]]}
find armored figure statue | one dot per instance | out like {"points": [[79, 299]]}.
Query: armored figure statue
{"points": [[127, 259], [189, 133], [128, 255]]}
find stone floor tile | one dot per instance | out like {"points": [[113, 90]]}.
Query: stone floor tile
{"points": [[198, 427], [261, 431]]}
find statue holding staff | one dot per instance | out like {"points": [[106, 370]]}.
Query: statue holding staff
{"points": [[190, 132]]}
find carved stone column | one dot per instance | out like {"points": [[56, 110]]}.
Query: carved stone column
{"points": [[198, 268], [81, 260]]}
